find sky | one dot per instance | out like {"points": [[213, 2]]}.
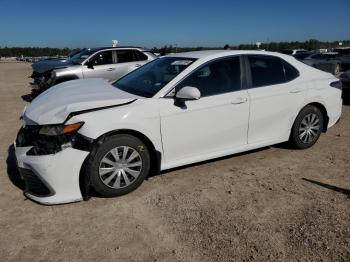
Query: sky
{"points": [[161, 22]]}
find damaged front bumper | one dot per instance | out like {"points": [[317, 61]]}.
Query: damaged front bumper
{"points": [[42, 80], [51, 179], [50, 169]]}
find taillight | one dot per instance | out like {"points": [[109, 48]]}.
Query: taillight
{"points": [[337, 84]]}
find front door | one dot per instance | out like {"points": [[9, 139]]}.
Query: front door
{"points": [[102, 65], [215, 123]]}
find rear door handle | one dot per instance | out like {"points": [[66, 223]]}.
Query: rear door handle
{"points": [[110, 69], [239, 100], [295, 91], [137, 65]]}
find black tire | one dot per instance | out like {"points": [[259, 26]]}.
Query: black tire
{"points": [[93, 164], [296, 131]]}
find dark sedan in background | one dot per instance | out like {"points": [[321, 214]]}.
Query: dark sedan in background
{"points": [[344, 57], [345, 78], [328, 62]]}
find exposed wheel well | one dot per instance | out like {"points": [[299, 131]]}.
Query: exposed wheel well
{"points": [[154, 154], [324, 114]]}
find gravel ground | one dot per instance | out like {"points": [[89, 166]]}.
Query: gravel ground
{"points": [[273, 204]]}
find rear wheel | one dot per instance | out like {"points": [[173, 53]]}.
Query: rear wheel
{"points": [[119, 166], [307, 127]]}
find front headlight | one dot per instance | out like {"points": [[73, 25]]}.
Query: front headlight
{"points": [[55, 130]]}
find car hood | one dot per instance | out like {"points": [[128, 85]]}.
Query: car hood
{"points": [[49, 64], [55, 104]]}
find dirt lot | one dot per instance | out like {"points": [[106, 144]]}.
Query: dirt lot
{"points": [[271, 204]]}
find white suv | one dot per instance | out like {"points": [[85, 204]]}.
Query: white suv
{"points": [[176, 110]]}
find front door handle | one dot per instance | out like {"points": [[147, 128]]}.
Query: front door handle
{"points": [[295, 91], [137, 65], [111, 69], [239, 100]]}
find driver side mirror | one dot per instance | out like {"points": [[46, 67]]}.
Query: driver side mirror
{"points": [[90, 64], [188, 93]]}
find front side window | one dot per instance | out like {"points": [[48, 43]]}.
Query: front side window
{"points": [[266, 70], [215, 78], [102, 58], [152, 77]]}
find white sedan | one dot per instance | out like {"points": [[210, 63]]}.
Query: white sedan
{"points": [[176, 110]]}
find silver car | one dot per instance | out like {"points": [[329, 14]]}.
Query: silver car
{"points": [[109, 63]]}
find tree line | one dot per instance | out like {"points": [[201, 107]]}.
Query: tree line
{"points": [[33, 51], [311, 44]]}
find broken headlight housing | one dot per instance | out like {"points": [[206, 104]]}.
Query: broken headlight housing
{"points": [[48, 139]]}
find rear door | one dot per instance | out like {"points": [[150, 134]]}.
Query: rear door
{"points": [[127, 61], [275, 95]]}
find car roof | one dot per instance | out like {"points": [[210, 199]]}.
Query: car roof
{"points": [[221, 53], [117, 47]]}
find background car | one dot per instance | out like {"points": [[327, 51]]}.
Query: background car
{"points": [[176, 110], [345, 78], [293, 51], [302, 55], [107, 63], [344, 57], [327, 62]]}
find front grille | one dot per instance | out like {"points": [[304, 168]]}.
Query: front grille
{"points": [[34, 185]]}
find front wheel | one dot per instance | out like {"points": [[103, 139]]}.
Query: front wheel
{"points": [[119, 166], [307, 127]]}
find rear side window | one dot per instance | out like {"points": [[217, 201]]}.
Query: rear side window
{"points": [[268, 70], [139, 56], [215, 78], [290, 72], [125, 56]]}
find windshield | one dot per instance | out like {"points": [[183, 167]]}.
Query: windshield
{"points": [[81, 56], [152, 77]]}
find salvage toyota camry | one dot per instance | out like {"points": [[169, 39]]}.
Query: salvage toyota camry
{"points": [[87, 134]]}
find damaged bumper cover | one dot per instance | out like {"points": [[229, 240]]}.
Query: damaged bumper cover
{"points": [[51, 166]]}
